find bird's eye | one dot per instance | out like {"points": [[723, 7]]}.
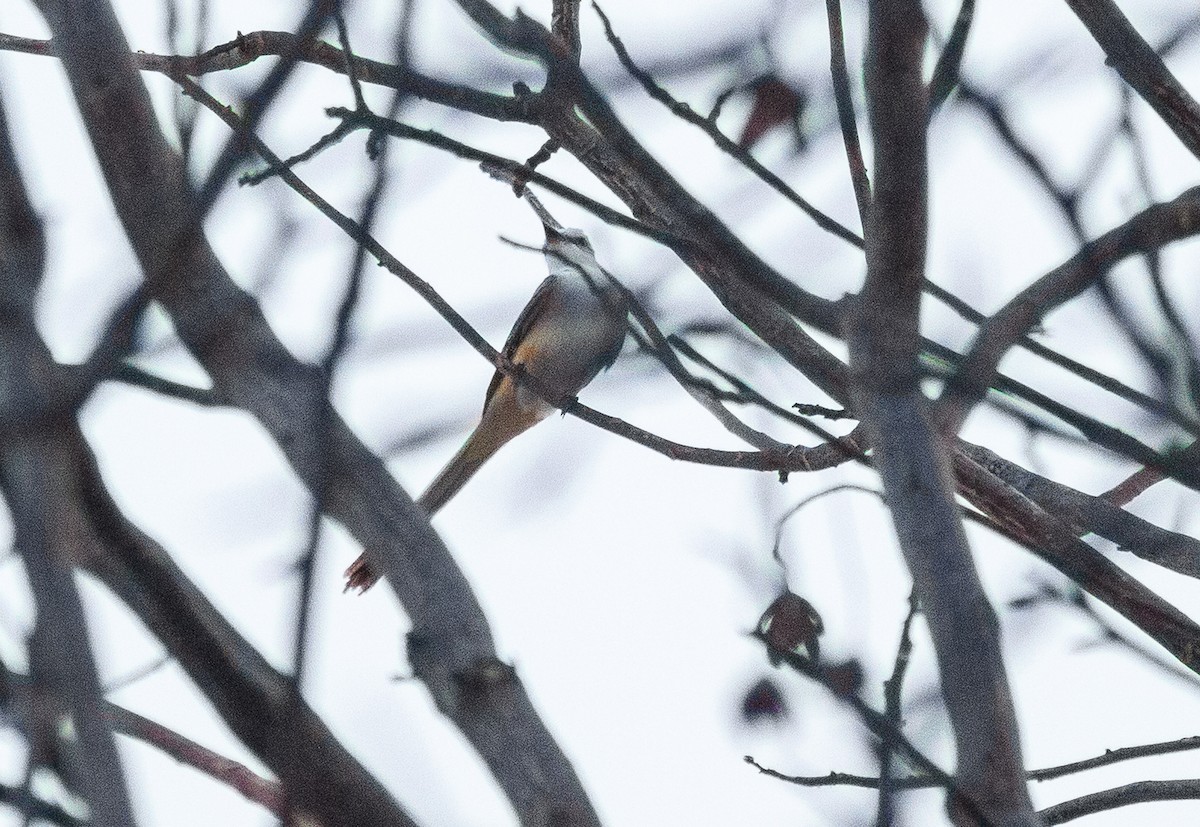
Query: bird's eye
{"points": [[577, 237]]}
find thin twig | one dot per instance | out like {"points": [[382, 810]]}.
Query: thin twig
{"points": [[344, 39], [256, 107], [142, 672], [323, 413], [247, 48], [1115, 756], [894, 710], [845, 779], [946, 71], [131, 374], [708, 127], [443, 142], [845, 108], [882, 728], [781, 523], [262, 791]]}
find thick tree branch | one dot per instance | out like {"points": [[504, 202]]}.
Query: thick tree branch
{"points": [[450, 646], [1150, 229], [1041, 532], [1086, 514], [257, 702], [1142, 68], [884, 347], [564, 23]]}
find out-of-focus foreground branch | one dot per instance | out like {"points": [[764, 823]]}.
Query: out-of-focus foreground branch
{"points": [[910, 455], [32, 461], [88, 530], [450, 648]]}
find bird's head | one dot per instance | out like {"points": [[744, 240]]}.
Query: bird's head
{"points": [[563, 236]]}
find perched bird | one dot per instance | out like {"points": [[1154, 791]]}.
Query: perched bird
{"points": [[570, 330]]}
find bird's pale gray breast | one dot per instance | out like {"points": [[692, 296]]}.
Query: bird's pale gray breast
{"points": [[579, 334]]}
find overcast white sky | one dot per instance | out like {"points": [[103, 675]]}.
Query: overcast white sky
{"points": [[620, 584]]}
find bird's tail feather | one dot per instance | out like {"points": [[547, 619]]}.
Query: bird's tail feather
{"points": [[478, 449], [487, 438]]}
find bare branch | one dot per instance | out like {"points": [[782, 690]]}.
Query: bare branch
{"points": [[1084, 514], [515, 169], [45, 535], [845, 779], [729, 147], [255, 108], [564, 23], [1027, 524], [1139, 792], [881, 727], [247, 48], [256, 701], [1102, 380], [35, 808], [845, 108], [133, 375], [884, 345], [894, 709], [1142, 68], [1067, 200], [1137, 483], [1152, 228], [795, 458], [921, 782], [226, 331], [946, 71], [253, 786], [321, 415], [1115, 756], [352, 73]]}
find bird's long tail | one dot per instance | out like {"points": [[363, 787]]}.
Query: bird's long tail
{"points": [[483, 442], [500, 424]]}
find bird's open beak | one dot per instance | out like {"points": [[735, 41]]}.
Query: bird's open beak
{"points": [[552, 234]]}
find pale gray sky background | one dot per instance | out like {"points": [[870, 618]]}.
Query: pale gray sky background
{"points": [[621, 585]]}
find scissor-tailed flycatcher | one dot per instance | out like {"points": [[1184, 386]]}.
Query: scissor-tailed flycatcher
{"points": [[572, 328]]}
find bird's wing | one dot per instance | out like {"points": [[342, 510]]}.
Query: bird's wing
{"points": [[533, 310]]}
